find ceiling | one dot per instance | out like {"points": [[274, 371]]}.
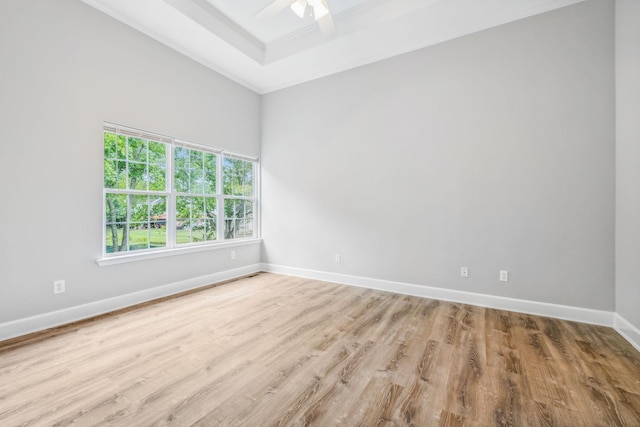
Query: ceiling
{"points": [[273, 53]]}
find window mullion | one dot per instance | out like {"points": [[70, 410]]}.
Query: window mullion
{"points": [[172, 214], [220, 199], [127, 221], [254, 207]]}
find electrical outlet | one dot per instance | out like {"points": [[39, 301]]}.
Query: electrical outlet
{"points": [[338, 258], [504, 276], [233, 254], [58, 286], [464, 272]]}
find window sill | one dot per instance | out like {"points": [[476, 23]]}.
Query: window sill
{"points": [[161, 253]]}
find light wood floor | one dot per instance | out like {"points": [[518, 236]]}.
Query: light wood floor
{"points": [[274, 350]]}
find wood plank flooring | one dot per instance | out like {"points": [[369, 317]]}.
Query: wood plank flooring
{"points": [[273, 350]]}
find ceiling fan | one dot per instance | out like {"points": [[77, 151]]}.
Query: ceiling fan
{"points": [[316, 8]]}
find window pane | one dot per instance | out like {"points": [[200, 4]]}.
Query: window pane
{"points": [[138, 236], [114, 146], [116, 220], [183, 219], [121, 177], [158, 222], [183, 207], [197, 207], [113, 233], [158, 237], [196, 180], [210, 224], [197, 219], [238, 177], [195, 171], [134, 164], [182, 180], [248, 179], [116, 208], [110, 173], [110, 151], [135, 222], [197, 232], [158, 208], [181, 157], [157, 177], [157, 153], [238, 218], [248, 228], [139, 208], [210, 165], [139, 222], [137, 175], [196, 177], [137, 150], [121, 147], [187, 222], [227, 176]]}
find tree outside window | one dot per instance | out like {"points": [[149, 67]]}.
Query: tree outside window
{"points": [[159, 193]]}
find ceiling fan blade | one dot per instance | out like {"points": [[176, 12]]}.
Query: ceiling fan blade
{"points": [[326, 24], [274, 8]]}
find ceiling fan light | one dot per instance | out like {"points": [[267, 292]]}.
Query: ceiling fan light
{"points": [[319, 10], [299, 7]]}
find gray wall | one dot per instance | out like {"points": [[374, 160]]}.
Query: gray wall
{"points": [[493, 151], [64, 68], [628, 160]]}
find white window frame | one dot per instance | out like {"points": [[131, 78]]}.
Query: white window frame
{"points": [[172, 247]]}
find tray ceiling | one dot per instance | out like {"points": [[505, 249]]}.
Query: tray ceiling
{"points": [[270, 54]]}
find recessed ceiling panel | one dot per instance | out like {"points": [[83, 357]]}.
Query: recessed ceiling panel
{"points": [[286, 22]]}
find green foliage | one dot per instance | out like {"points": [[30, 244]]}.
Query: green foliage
{"points": [[197, 216], [128, 213], [139, 238], [134, 163], [237, 177], [195, 171], [238, 213], [114, 150]]}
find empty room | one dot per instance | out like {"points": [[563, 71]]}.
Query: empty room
{"points": [[320, 212]]}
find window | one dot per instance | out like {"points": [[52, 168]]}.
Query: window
{"points": [[196, 195], [160, 192], [238, 198]]}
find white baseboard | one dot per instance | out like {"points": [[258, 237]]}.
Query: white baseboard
{"points": [[44, 321], [52, 319], [627, 330], [565, 312]]}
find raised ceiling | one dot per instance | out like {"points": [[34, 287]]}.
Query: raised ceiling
{"points": [[270, 54]]}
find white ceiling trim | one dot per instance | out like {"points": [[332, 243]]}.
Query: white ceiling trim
{"points": [[372, 31], [207, 16]]}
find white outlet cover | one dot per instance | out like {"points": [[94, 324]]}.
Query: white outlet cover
{"points": [[504, 276], [464, 272], [58, 286]]}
